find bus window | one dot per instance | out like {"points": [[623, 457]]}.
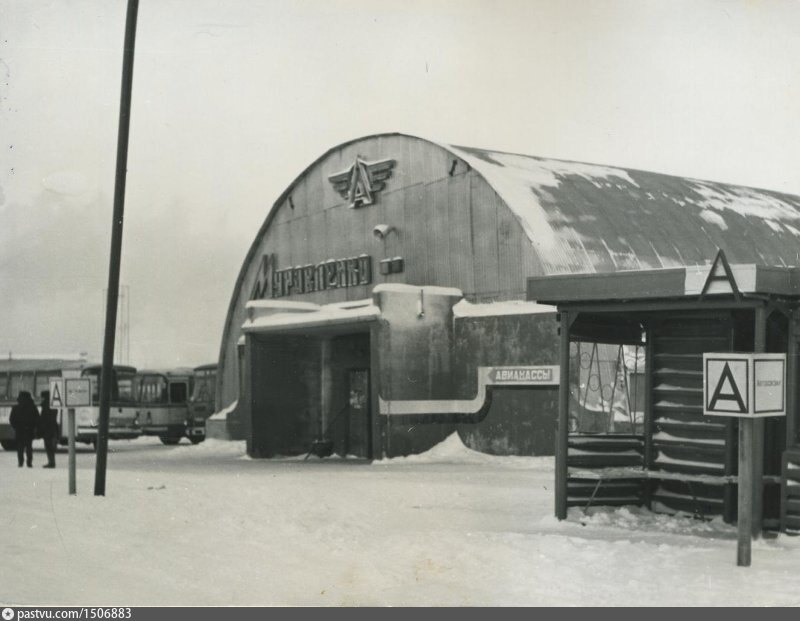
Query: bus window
{"points": [[95, 389], [43, 382], [126, 387], [154, 389], [178, 392], [21, 381], [94, 377], [94, 380], [4, 394]]}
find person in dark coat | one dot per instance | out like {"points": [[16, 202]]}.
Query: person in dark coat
{"points": [[48, 429], [24, 419]]}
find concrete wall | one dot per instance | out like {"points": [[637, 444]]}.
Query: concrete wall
{"points": [[520, 421]]}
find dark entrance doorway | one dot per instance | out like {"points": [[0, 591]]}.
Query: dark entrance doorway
{"points": [[357, 420], [347, 415]]}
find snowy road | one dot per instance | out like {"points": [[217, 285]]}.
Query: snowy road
{"points": [[203, 525]]}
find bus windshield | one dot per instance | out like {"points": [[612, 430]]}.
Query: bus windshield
{"points": [[204, 382]]}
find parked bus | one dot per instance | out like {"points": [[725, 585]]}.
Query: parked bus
{"points": [[163, 403], [32, 374], [122, 423], [201, 403]]}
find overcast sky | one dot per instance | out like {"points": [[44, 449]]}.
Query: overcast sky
{"points": [[232, 99]]}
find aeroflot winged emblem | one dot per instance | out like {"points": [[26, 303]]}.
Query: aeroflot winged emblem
{"points": [[359, 183]]}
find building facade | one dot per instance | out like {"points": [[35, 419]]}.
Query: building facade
{"points": [[382, 304]]}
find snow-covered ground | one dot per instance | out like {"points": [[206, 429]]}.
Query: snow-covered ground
{"points": [[202, 525]]}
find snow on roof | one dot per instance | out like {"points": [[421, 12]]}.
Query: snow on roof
{"points": [[324, 315], [591, 218], [512, 307], [431, 290]]}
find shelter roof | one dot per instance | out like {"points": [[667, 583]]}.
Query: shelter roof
{"points": [[670, 283]]}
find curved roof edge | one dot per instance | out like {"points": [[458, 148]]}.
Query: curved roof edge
{"points": [[272, 211]]}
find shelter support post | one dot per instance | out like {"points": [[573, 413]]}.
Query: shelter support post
{"points": [[647, 423], [751, 464], [745, 507], [791, 391], [562, 436], [760, 347]]}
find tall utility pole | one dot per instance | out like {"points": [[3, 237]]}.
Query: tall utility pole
{"points": [[122, 344], [107, 375]]}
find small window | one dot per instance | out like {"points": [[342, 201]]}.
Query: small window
{"points": [[21, 381], [178, 392], [4, 386]]}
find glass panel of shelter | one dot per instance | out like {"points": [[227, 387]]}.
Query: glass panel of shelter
{"points": [[607, 388]]}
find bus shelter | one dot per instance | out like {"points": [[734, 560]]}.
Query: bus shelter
{"points": [[662, 452]]}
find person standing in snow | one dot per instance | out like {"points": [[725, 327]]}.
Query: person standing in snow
{"points": [[24, 419], [48, 428]]}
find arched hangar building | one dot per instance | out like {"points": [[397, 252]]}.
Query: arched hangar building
{"points": [[382, 304]]}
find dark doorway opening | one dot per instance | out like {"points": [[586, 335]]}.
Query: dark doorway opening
{"points": [[348, 420], [357, 421]]}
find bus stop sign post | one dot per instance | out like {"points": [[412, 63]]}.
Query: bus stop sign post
{"points": [[73, 486], [749, 387], [69, 394], [77, 393]]}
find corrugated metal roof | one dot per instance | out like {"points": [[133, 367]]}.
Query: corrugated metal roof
{"points": [[591, 218]]}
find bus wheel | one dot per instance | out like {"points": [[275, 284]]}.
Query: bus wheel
{"points": [[169, 441], [196, 439], [8, 445]]}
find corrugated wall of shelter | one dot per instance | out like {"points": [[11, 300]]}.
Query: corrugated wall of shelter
{"points": [[451, 229], [684, 440]]}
